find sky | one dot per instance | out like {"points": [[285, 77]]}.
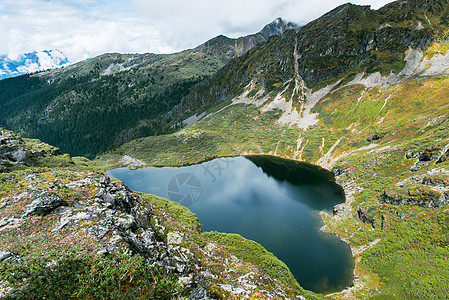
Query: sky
{"points": [[83, 29]]}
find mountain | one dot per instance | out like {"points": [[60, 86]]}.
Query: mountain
{"points": [[232, 48], [31, 63], [362, 93], [99, 103], [347, 41]]}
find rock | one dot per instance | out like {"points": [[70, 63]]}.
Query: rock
{"points": [[43, 205], [126, 221], [99, 231], [429, 154], [341, 209], [435, 181], [5, 163], [4, 255], [408, 214], [31, 177], [174, 238], [367, 214], [185, 281], [336, 172], [443, 157], [199, 293], [19, 155], [375, 137], [410, 154], [10, 223], [4, 169], [9, 258], [419, 197], [414, 168], [419, 165]]}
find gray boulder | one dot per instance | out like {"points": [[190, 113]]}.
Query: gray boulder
{"points": [[199, 293], [43, 205]]}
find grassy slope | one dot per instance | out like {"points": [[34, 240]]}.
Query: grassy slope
{"points": [[410, 258]]}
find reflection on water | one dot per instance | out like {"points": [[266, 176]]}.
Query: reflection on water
{"points": [[270, 200]]}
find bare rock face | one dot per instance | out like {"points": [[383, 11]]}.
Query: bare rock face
{"points": [[9, 258], [199, 293]]}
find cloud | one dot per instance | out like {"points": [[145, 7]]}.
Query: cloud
{"points": [[80, 29], [86, 28]]}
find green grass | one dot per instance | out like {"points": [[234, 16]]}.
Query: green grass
{"points": [[412, 257], [181, 213], [80, 276], [253, 252]]}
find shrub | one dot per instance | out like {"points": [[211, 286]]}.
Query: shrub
{"points": [[86, 277]]}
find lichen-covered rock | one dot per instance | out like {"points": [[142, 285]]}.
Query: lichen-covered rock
{"points": [[43, 205], [435, 181], [428, 155]]}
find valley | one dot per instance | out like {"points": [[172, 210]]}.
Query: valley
{"points": [[362, 93]]}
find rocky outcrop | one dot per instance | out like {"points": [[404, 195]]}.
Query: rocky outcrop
{"points": [[114, 211], [374, 137], [436, 181], [367, 214], [43, 205], [419, 197], [12, 151], [444, 157], [15, 152], [428, 155], [232, 48], [8, 257]]}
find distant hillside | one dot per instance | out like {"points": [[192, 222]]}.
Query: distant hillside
{"points": [[102, 102], [346, 41], [31, 62]]}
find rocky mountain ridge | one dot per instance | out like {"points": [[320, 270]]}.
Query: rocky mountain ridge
{"points": [[349, 43]]}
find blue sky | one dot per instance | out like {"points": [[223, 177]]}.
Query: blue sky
{"points": [[85, 28]]}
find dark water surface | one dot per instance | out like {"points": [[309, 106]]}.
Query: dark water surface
{"points": [[272, 201]]}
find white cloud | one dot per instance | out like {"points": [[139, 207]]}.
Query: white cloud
{"points": [[80, 29], [86, 28]]}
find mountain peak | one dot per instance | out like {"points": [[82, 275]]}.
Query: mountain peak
{"points": [[31, 62], [277, 27], [231, 48]]}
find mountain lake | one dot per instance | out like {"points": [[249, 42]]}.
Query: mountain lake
{"points": [[273, 201]]}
